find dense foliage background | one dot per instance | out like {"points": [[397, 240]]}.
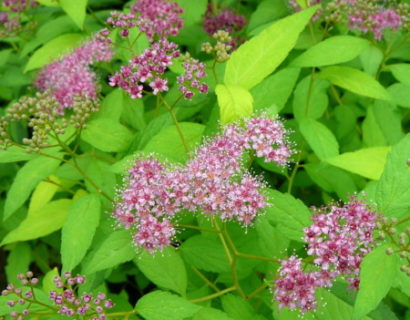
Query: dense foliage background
{"points": [[336, 72]]}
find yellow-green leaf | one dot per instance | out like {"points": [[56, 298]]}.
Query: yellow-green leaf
{"points": [[368, 162], [235, 102], [76, 10], [261, 55]]}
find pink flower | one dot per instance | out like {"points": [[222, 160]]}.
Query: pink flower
{"points": [[148, 68], [190, 80], [212, 182], [226, 20], [71, 76], [158, 17]]}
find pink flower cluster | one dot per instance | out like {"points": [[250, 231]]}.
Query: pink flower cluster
{"points": [[226, 20], [213, 182], [338, 241], [123, 21], [72, 305], [375, 23], [190, 80], [71, 76], [148, 68], [158, 17], [20, 5]]}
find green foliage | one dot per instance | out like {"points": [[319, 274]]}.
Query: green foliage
{"points": [[158, 305], [343, 97], [377, 274], [165, 269], [79, 229], [261, 55]]}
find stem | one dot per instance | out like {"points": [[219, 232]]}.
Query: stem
{"points": [[118, 314], [257, 291], [336, 94], [205, 279], [403, 220], [215, 295], [214, 71], [87, 178], [175, 120], [59, 185]]}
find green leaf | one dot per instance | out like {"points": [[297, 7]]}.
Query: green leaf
{"points": [[290, 214], [48, 280], [271, 241], [112, 105], [355, 81], [332, 179], [193, 11], [79, 229], [41, 296], [393, 189], [377, 274], [367, 162], [267, 11], [261, 55], [400, 93], [234, 102], [310, 99], [275, 89], [237, 308], [49, 3], [168, 141], [166, 269], [160, 305], [43, 194], [133, 112], [18, 261], [107, 135], [371, 58], [14, 154], [53, 50], [382, 125], [205, 253], [76, 10], [334, 50], [114, 250], [26, 180], [320, 138], [401, 72], [48, 219], [211, 314]]}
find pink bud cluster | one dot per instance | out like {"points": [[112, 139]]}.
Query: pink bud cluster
{"points": [[20, 5], [71, 76], [147, 68], [160, 18], [64, 296], [226, 20], [190, 80], [338, 240], [212, 182], [70, 304]]}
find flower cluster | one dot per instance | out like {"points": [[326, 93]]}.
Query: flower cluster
{"points": [[148, 68], [43, 117], [223, 47], [71, 76], [19, 5], [64, 297], [122, 21], [213, 182], [226, 20], [71, 304], [369, 16], [190, 80], [158, 17], [337, 240]]}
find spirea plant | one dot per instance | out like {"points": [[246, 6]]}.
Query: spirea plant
{"points": [[205, 160]]}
